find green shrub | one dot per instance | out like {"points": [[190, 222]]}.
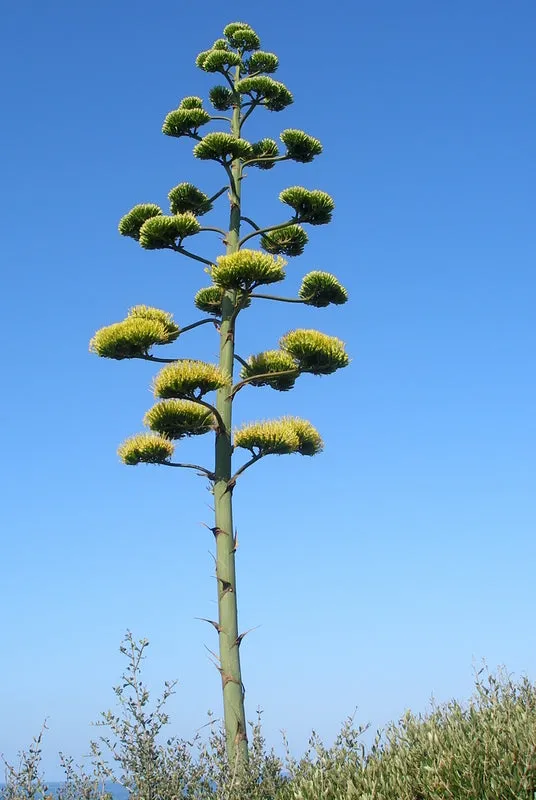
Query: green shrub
{"points": [[483, 750]]}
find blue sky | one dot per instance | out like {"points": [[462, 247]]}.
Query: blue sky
{"points": [[382, 570]]}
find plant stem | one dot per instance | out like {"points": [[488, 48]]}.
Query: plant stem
{"points": [[241, 360], [213, 409], [203, 470], [233, 693], [253, 460], [218, 194], [279, 299], [260, 231], [193, 325], [246, 381], [179, 249]]}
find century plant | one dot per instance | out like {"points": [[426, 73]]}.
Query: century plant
{"points": [[182, 386]]}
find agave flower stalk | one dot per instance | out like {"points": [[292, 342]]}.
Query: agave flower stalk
{"points": [[183, 386], [228, 633]]}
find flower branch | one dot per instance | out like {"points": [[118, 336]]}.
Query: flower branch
{"points": [[282, 373], [253, 460], [177, 248], [203, 470], [279, 299], [260, 231], [213, 410], [218, 194]]}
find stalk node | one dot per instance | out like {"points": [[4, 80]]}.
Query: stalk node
{"points": [[225, 586], [226, 678], [216, 531], [240, 733]]}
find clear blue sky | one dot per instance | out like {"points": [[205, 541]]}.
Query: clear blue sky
{"points": [[379, 571]]}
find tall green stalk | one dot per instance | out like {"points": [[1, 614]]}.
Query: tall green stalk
{"points": [[232, 687], [181, 386]]}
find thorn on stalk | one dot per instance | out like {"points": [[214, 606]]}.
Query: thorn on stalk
{"points": [[216, 658], [215, 530], [209, 475], [238, 640], [211, 622], [235, 541], [226, 586]]}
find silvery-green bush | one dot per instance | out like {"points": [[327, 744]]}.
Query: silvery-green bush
{"points": [[484, 749]]}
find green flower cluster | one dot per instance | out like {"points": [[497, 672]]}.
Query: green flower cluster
{"points": [[131, 223], [322, 288], [315, 352], [221, 98], [289, 241], [310, 205], [279, 437], [266, 150], [222, 147], [185, 121], [300, 146], [261, 62], [188, 379], [263, 90], [271, 361], [185, 197], [247, 269], [134, 336], [159, 233], [145, 448], [176, 419]]}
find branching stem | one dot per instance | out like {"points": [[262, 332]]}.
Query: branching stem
{"points": [[218, 194], [210, 475], [214, 410], [253, 460], [214, 230], [279, 299], [214, 321], [157, 360], [260, 231], [241, 384], [266, 158], [251, 108], [250, 222], [179, 249]]}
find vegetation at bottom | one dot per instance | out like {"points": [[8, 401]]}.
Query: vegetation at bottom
{"points": [[484, 749]]}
